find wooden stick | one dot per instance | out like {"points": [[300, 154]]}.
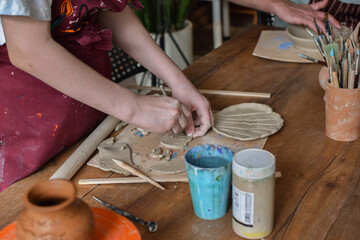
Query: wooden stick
{"points": [[130, 180], [68, 169], [209, 91], [137, 173]]}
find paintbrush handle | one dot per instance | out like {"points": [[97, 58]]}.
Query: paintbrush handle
{"points": [[344, 68], [137, 173], [335, 79], [351, 79]]}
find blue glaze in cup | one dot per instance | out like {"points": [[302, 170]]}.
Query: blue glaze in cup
{"points": [[209, 171]]}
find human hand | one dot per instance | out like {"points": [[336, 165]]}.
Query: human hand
{"points": [[202, 118], [160, 114], [304, 14]]}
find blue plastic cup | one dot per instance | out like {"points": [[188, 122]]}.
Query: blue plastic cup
{"points": [[209, 172]]}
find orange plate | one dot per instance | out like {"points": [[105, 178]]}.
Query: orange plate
{"points": [[108, 226]]}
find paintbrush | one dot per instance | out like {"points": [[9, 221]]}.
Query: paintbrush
{"points": [[327, 25], [316, 40], [357, 61], [334, 67], [312, 59], [344, 68], [317, 27]]}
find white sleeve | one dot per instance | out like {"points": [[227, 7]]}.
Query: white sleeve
{"points": [[37, 9]]}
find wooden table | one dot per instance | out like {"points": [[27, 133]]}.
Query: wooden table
{"points": [[318, 195]]}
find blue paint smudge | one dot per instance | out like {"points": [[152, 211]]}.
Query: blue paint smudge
{"points": [[220, 136], [174, 156], [285, 45], [138, 133], [278, 39]]}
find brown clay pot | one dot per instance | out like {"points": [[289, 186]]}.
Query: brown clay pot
{"points": [[54, 212], [342, 110]]}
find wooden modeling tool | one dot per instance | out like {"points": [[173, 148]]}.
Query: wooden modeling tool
{"points": [[151, 226], [137, 173], [209, 91]]}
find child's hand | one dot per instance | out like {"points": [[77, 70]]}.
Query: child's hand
{"points": [[201, 119], [160, 114]]}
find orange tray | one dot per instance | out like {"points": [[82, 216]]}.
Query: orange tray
{"points": [[108, 226]]}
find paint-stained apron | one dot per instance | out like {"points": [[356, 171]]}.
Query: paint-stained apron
{"points": [[38, 121]]}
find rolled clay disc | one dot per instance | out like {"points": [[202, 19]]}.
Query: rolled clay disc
{"points": [[169, 167], [177, 141], [247, 121]]}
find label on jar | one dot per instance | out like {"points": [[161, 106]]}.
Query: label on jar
{"points": [[243, 207]]}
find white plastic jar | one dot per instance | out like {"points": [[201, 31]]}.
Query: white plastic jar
{"points": [[253, 193]]}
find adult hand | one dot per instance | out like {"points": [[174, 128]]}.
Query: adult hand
{"points": [[304, 14], [160, 114], [201, 119]]}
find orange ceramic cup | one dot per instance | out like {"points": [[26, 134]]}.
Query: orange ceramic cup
{"points": [[342, 110]]}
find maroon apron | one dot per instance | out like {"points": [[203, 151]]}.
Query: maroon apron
{"points": [[38, 121]]}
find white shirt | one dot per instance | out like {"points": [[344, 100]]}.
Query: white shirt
{"points": [[37, 9]]}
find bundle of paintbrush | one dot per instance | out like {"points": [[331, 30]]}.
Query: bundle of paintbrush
{"points": [[341, 55]]}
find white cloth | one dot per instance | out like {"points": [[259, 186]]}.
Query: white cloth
{"points": [[37, 9]]}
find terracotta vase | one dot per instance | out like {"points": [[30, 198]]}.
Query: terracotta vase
{"points": [[54, 212]]}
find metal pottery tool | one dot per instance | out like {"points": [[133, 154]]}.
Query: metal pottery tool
{"points": [[163, 90], [137, 173], [151, 226]]}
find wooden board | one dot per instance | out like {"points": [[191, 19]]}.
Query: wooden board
{"points": [[276, 45], [143, 145]]}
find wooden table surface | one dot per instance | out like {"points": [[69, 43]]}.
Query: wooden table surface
{"points": [[318, 195]]}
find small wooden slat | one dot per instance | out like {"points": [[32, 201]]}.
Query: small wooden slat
{"points": [[130, 180], [209, 91]]}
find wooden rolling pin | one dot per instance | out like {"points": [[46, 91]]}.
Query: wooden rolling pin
{"points": [[84, 151]]}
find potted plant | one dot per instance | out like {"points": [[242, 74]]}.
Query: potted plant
{"points": [[170, 16]]}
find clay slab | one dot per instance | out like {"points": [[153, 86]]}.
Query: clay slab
{"points": [[247, 121]]}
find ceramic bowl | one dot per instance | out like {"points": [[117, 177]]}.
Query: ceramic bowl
{"points": [[302, 40]]}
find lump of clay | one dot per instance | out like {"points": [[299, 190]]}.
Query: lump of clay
{"points": [[120, 125], [109, 149], [158, 154], [143, 131], [177, 141]]}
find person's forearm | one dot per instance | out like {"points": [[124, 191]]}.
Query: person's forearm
{"points": [[45, 59], [133, 38], [268, 6]]}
